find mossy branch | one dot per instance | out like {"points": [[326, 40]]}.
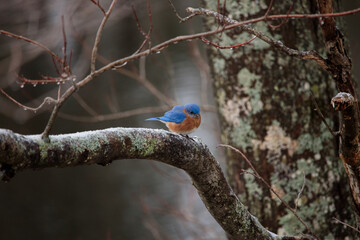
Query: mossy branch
{"points": [[20, 152]]}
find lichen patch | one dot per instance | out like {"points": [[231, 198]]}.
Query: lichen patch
{"points": [[275, 141]]}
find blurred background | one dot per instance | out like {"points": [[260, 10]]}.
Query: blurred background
{"points": [[130, 199]]}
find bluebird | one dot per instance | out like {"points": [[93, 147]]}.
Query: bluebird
{"points": [[181, 119]]}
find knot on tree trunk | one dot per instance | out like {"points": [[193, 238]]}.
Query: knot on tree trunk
{"points": [[342, 100]]}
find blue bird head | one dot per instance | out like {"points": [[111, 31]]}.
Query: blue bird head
{"points": [[192, 109]]}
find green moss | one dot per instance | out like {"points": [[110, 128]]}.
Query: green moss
{"points": [[242, 134], [269, 59], [150, 148], [43, 149], [219, 66], [291, 224], [251, 85], [225, 41], [253, 188], [221, 95], [315, 144], [244, 8], [283, 61], [246, 78]]}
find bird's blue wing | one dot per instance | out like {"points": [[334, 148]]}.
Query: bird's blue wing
{"points": [[170, 116], [174, 116]]}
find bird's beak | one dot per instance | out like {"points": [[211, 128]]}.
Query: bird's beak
{"points": [[197, 115]]}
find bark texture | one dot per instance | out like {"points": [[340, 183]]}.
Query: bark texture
{"points": [[19, 152], [266, 111]]}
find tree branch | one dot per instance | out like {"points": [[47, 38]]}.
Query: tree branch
{"points": [[346, 101], [21, 152], [313, 55], [156, 49], [349, 144], [98, 36]]}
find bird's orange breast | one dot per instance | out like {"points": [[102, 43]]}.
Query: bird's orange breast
{"points": [[186, 126]]}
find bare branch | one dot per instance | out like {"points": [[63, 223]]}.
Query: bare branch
{"points": [[98, 36], [256, 174], [227, 47], [121, 62], [202, 11], [317, 109], [146, 35], [284, 20], [47, 100], [300, 192], [64, 61], [269, 8], [174, 10], [346, 225], [68, 93], [17, 153], [313, 55], [349, 153], [137, 21], [52, 54], [99, 6]]}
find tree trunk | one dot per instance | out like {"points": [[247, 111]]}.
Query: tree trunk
{"points": [[266, 111]]}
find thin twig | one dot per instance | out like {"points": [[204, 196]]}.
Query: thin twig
{"points": [[146, 35], [60, 64], [313, 55], [317, 109], [346, 225], [9, 34], [256, 174], [47, 100], [64, 65], [303, 55], [94, 73], [150, 22], [269, 8], [44, 80], [227, 47], [98, 36], [284, 20], [54, 57], [299, 195], [99, 6], [202, 11], [71, 90], [176, 13], [134, 75], [137, 21]]}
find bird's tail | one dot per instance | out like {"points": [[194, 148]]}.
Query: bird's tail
{"points": [[153, 119]]}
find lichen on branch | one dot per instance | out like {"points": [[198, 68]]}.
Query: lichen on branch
{"points": [[20, 152]]}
